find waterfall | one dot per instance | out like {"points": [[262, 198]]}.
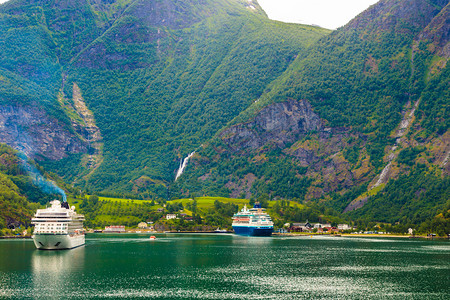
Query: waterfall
{"points": [[183, 164]]}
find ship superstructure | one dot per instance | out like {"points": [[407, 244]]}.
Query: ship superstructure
{"points": [[252, 222], [58, 227]]}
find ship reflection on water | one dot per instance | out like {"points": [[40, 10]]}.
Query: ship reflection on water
{"points": [[52, 271], [252, 241]]}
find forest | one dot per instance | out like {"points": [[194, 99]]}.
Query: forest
{"points": [[19, 201], [191, 77]]}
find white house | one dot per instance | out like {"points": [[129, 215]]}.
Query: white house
{"points": [[343, 227], [171, 216]]}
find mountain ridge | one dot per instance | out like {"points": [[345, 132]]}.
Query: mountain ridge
{"points": [[343, 118], [133, 67], [392, 77]]}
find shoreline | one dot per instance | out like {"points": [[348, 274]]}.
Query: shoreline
{"points": [[160, 232], [343, 235], [273, 234], [11, 237], [405, 236]]}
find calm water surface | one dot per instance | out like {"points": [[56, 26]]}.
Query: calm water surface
{"points": [[176, 266]]}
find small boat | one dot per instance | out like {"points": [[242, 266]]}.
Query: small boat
{"points": [[153, 237], [218, 230]]}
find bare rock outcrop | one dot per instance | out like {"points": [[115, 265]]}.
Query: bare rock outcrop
{"points": [[279, 123], [32, 131]]}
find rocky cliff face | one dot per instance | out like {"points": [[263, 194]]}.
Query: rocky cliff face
{"points": [[279, 123], [289, 137], [35, 133], [403, 50]]}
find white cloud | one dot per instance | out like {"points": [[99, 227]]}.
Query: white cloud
{"points": [[325, 13]]}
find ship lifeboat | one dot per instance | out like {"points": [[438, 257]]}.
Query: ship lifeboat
{"points": [[153, 237], [242, 219]]}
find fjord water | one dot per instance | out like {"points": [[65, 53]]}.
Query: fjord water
{"points": [[180, 266]]}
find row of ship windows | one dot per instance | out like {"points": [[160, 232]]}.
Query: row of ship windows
{"points": [[44, 217], [52, 214], [263, 220], [51, 226]]}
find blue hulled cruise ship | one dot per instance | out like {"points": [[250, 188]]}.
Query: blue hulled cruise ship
{"points": [[252, 222]]}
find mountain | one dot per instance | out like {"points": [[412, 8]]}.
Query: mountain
{"points": [[15, 188], [112, 94], [360, 122]]}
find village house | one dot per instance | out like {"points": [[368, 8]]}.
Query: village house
{"points": [[142, 225], [114, 229], [186, 217], [321, 228], [320, 225], [301, 227], [333, 229], [171, 216], [344, 227]]}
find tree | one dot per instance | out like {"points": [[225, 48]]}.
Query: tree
{"points": [[264, 200], [93, 199]]}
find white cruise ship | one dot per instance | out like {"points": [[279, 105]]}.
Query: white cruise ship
{"points": [[58, 227], [252, 222]]}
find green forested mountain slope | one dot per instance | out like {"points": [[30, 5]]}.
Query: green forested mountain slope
{"points": [[24, 187], [38, 38], [368, 104], [152, 117], [159, 77], [15, 210], [356, 119]]}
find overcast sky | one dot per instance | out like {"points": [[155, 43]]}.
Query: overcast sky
{"points": [[329, 14], [325, 13]]}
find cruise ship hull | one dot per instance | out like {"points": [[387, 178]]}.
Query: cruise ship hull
{"points": [[253, 231], [57, 241]]}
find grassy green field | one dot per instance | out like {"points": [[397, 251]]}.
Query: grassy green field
{"points": [[108, 219], [130, 212], [124, 200], [203, 203]]}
